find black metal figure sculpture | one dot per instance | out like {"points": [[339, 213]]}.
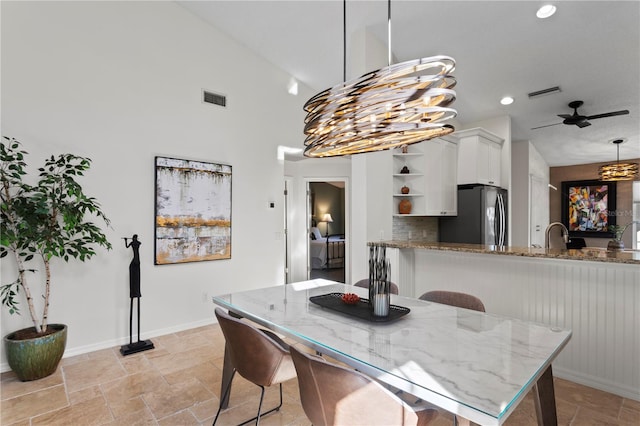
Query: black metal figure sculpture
{"points": [[134, 293], [134, 267]]}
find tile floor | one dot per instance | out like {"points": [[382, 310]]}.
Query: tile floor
{"points": [[178, 382]]}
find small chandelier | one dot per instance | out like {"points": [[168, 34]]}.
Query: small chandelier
{"points": [[618, 171], [400, 104]]}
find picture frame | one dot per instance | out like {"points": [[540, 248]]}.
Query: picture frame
{"points": [[192, 211], [589, 208]]}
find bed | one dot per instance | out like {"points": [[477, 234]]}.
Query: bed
{"points": [[326, 252]]}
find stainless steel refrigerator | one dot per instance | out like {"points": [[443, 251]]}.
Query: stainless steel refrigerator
{"points": [[482, 217]]}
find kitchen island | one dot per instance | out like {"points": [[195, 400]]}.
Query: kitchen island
{"points": [[593, 292]]}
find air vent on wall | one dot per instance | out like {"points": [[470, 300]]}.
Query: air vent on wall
{"points": [[543, 92], [214, 98]]}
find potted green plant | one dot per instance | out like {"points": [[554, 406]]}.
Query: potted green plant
{"points": [[618, 231], [41, 221]]}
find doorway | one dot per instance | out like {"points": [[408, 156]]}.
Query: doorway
{"points": [[327, 230]]}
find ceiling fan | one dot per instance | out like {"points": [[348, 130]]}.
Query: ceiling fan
{"points": [[579, 120]]}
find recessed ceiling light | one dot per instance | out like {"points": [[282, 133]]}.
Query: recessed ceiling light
{"points": [[546, 11], [507, 100]]}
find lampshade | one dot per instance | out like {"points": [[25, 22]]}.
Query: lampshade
{"points": [[400, 104], [618, 170], [327, 218]]}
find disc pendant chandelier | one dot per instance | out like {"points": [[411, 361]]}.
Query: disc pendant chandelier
{"points": [[618, 170], [400, 104]]}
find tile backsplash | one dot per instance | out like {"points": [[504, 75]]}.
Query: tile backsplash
{"points": [[415, 228]]}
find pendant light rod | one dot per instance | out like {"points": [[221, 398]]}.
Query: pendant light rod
{"points": [[344, 40], [389, 31]]}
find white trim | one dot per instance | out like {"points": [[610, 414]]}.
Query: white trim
{"points": [[347, 220]]}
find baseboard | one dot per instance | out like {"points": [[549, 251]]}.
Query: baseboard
{"points": [[597, 383], [80, 350]]}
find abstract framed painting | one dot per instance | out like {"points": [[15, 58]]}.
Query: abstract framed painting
{"points": [[192, 211], [589, 208]]}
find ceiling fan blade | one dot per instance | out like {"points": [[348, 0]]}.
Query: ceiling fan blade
{"points": [[546, 125], [582, 124], [565, 115], [608, 114]]}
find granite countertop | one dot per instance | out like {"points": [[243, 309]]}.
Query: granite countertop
{"points": [[594, 254]]}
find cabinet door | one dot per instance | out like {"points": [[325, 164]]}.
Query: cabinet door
{"points": [[449, 178], [483, 167], [495, 160], [441, 158], [479, 157]]}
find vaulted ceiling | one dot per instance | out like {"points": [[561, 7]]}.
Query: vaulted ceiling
{"points": [[590, 49]]}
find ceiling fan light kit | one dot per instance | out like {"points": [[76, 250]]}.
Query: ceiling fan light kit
{"points": [[400, 104], [618, 170]]}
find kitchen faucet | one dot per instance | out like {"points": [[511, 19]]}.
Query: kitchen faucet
{"points": [[565, 233]]}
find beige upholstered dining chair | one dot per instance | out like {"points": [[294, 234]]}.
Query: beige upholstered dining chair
{"points": [[365, 283], [334, 395], [258, 355], [461, 300]]}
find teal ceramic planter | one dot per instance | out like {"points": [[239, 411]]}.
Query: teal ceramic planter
{"points": [[33, 359]]}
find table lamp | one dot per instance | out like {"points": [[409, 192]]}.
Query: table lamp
{"points": [[327, 219]]}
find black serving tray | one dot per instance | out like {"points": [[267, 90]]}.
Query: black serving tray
{"points": [[359, 310]]}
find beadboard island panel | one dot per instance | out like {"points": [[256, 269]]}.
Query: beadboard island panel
{"points": [[598, 300]]}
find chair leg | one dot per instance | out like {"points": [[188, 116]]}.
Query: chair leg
{"points": [[260, 415], [256, 418], [225, 396]]}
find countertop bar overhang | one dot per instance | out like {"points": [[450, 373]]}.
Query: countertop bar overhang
{"points": [[594, 254]]}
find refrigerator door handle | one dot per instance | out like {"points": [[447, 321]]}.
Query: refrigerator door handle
{"points": [[496, 222], [501, 210]]}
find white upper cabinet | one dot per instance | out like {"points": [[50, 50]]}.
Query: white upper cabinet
{"points": [[479, 157], [441, 190]]}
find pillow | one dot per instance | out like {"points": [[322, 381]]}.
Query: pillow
{"points": [[315, 233]]}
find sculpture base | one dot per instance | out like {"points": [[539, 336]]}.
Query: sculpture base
{"points": [[139, 346]]}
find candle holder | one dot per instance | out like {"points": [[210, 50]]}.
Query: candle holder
{"points": [[381, 303], [379, 283]]}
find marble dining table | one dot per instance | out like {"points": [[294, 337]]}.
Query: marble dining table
{"points": [[476, 365]]}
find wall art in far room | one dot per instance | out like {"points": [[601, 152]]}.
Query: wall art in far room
{"points": [[192, 212], [589, 207]]}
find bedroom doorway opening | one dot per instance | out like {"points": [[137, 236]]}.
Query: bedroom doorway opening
{"points": [[327, 229]]}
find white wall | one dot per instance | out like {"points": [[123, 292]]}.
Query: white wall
{"points": [[121, 82], [371, 187], [520, 195], [527, 163]]}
